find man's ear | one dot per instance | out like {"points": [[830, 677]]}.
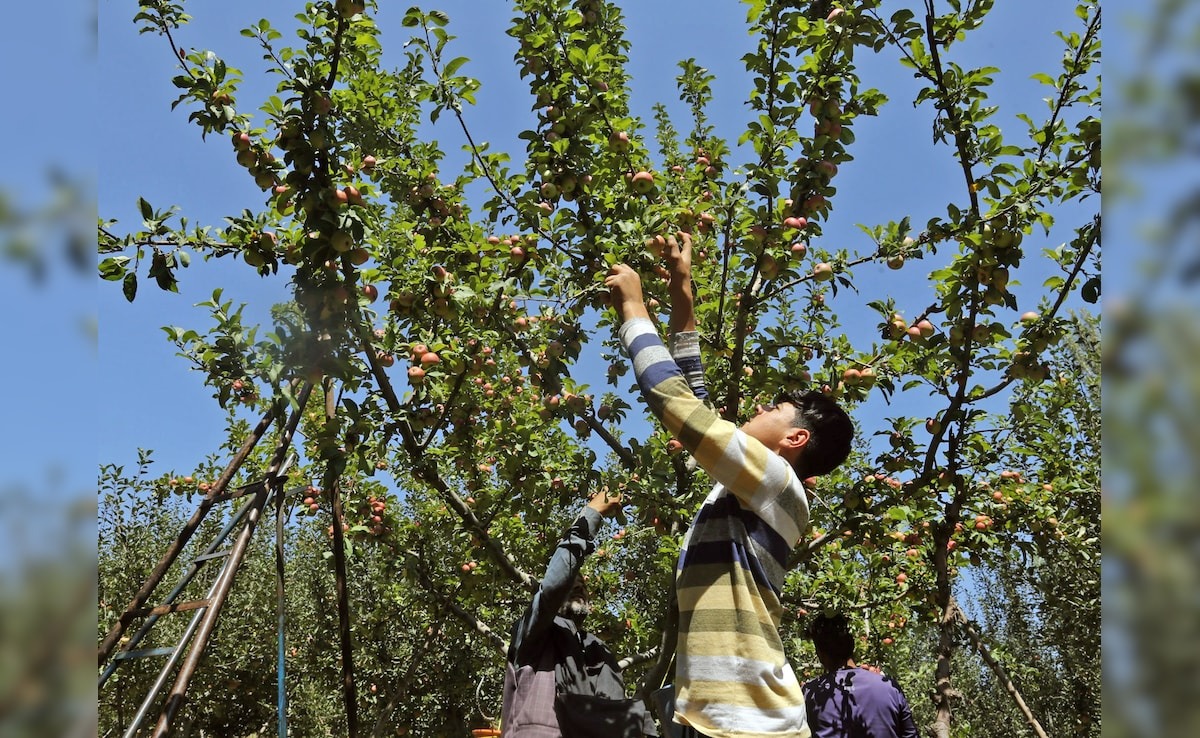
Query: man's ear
{"points": [[794, 441], [797, 437]]}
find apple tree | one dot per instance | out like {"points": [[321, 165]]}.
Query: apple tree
{"points": [[452, 367]]}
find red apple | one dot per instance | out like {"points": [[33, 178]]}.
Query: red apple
{"points": [[619, 141], [642, 182], [823, 272]]}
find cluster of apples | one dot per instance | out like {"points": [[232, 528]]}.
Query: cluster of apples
{"points": [[373, 512], [422, 361], [260, 162], [430, 195], [244, 391]]}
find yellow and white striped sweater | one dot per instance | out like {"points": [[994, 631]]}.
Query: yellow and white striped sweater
{"points": [[732, 677]]}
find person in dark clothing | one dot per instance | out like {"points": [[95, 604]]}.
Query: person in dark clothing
{"points": [[561, 680], [849, 701]]}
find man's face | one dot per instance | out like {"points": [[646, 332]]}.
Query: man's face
{"points": [[771, 423], [577, 605]]}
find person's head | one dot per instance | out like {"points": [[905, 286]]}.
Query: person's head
{"points": [[832, 639], [578, 604], [808, 429]]}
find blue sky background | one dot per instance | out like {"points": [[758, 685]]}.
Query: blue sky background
{"points": [[150, 398]]}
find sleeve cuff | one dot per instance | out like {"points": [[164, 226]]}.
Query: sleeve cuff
{"points": [[684, 342]]}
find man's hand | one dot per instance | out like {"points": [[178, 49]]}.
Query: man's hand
{"points": [[678, 255], [606, 503], [625, 287]]}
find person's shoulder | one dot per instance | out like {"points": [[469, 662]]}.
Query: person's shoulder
{"points": [[875, 678]]}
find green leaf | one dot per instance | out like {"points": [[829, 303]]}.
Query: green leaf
{"points": [[453, 65], [129, 286], [147, 211], [113, 268]]}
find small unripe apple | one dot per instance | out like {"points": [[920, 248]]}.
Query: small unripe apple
{"points": [[341, 241], [768, 266]]}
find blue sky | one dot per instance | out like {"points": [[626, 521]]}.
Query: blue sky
{"points": [[49, 461], [150, 399]]}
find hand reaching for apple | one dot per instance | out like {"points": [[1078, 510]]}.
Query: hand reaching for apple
{"points": [[625, 288], [606, 503], [678, 255]]}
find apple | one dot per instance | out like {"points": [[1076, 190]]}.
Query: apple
{"points": [[371, 292], [823, 272], [358, 256], [369, 162], [834, 14], [795, 222], [619, 141], [384, 358], [852, 377], [925, 328], [799, 250], [933, 425], [828, 168], [341, 241], [440, 273], [416, 375], [642, 182], [1028, 318], [353, 196], [430, 357], [901, 578], [241, 140], [895, 262], [549, 190], [768, 266]]}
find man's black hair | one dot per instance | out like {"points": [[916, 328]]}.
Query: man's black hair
{"points": [[832, 637], [830, 431]]}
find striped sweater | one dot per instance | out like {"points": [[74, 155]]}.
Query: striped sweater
{"points": [[732, 677]]}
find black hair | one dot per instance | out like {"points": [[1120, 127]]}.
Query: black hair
{"points": [[831, 636], [830, 431]]}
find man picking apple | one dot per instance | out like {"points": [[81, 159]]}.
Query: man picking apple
{"points": [[732, 678], [561, 680]]}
